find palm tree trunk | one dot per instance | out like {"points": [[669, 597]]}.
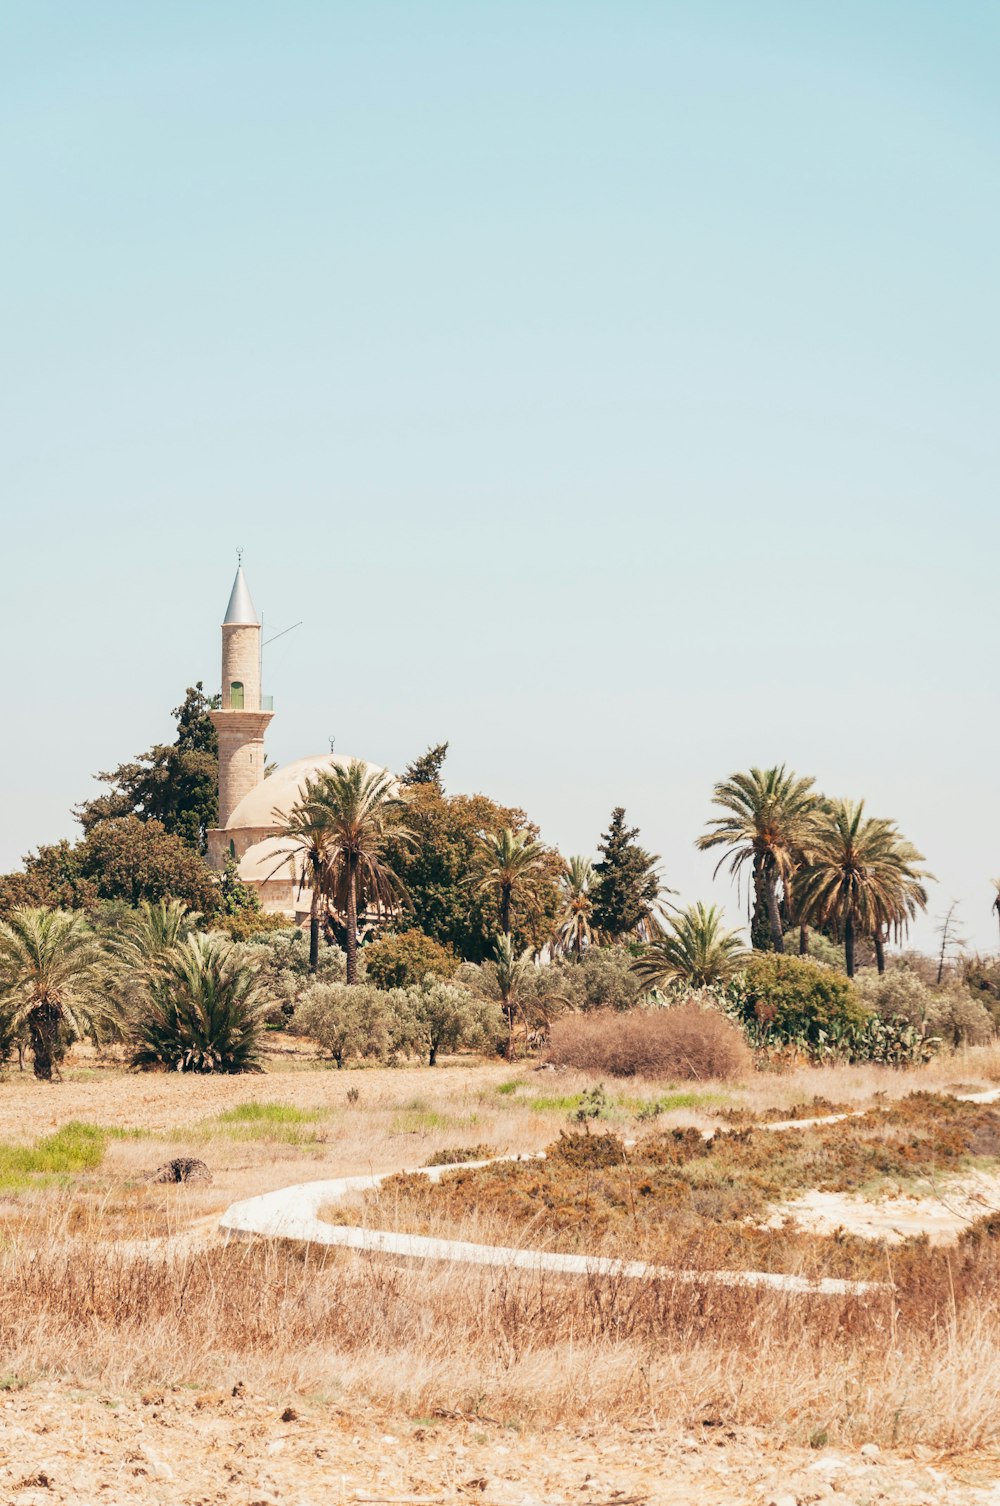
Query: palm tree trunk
{"points": [[803, 941], [849, 945], [352, 919], [760, 925], [879, 950], [505, 895], [774, 913], [314, 927], [40, 1030]]}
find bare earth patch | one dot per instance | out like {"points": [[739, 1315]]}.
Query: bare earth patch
{"points": [[942, 1214], [65, 1447]]}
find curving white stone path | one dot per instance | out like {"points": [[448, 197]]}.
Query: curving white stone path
{"points": [[292, 1213]]}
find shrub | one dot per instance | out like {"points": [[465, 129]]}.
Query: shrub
{"points": [[961, 1020], [690, 1041], [248, 925], [407, 959], [280, 961], [950, 1013], [792, 999], [205, 1012], [356, 1020], [821, 949], [445, 1017]]}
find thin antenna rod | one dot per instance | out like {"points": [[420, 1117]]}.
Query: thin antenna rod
{"points": [[281, 634]]}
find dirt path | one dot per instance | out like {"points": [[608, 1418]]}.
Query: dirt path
{"points": [[181, 1448]]}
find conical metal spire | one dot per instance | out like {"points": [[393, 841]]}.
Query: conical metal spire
{"points": [[241, 608]]}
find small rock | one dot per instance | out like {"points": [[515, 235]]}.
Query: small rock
{"points": [[870, 1451], [289, 1415], [239, 1389], [181, 1169]]}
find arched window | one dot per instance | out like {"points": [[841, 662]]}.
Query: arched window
{"points": [[236, 696]]}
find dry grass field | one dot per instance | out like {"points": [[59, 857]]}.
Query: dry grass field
{"points": [[142, 1359]]}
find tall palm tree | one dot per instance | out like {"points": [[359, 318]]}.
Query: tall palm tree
{"points": [[861, 875], [574, 929], [511, 866], [694, 949], [306, 828], [768, 820], [358, 811], [52, 974]]}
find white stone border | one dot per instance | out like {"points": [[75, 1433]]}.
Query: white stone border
{"points": [[293, 1213]]}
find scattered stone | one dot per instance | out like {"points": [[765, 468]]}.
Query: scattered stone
{"points": [[181, 1169], [870, 1451], [289, 1415], [239, 1389]]}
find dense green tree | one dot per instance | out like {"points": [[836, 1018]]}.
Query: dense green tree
{"points": [[53, 976], [400, 960], [627, 888], [768, 823], [427, 768], [173, 783], [438, 863], [694, 950], [53, 879], [234, 896], [125, 858]]}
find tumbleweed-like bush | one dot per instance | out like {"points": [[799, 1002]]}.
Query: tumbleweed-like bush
{"points": [[691, 1041]]}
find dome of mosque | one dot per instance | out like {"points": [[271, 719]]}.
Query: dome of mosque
{"points": [[280, 791]]}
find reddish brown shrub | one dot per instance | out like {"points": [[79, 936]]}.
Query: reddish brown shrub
{"points": [[686, 1042]]}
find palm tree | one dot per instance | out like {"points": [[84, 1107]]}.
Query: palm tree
{"points": [[574, 930], [358, 812], [151, 931], [307, 830], [205, 1011], [52, 974], [694, 950], [511, 865], [511, 972], [770, 814], [861, 875]]}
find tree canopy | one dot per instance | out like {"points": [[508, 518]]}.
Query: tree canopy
{"points": [[626, 887], [173, 783]]}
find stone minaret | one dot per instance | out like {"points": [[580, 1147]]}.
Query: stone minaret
{"points": [[242, 719]]}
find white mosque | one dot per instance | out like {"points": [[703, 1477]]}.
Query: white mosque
{"points": [[250, 805]]}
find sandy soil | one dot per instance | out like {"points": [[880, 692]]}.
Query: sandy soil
{"points": [[941, 1213], [218, 1449]]}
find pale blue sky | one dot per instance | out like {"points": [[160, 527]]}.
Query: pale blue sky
{"points": [[611, 387]]}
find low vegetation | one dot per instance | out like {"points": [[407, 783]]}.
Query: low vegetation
{"points": [[689, 1042]]}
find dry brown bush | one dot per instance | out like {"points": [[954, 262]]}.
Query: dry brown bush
{"points": [[688, 1042]]}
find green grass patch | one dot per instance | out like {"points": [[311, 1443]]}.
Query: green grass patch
{"points": [[73, 1148], [278, 1123], [269, 1113], [409, 1121], [505, 1089]]}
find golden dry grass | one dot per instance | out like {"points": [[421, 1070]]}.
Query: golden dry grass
{"points": [[531, 1349]]}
